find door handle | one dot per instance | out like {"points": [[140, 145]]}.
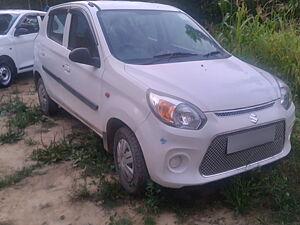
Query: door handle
{"points": [[66, 68]]}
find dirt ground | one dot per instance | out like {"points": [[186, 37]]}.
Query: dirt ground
{"points": [[44, 197]]}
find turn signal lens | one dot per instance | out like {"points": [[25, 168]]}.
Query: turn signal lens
{"points": [[165, 109]]}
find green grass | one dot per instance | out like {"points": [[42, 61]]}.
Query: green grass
{"points": [[115, 220], [13, 106], [19, 117], [55, 152], [80, 192], [109, 192], [242, 194], [85, 149], [149, 220], [152, 198], [11, 136], [16, 176], [31, 142], [26, 117]]}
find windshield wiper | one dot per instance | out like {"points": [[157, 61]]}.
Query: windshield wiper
{"points": [[175, 54], [212, 53], [169, 56]]}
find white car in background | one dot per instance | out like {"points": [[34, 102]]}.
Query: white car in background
{"points": [[18, 30], [169, 102]]}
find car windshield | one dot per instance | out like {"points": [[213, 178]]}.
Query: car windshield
{"points": [[152, 37], [6, 21]]}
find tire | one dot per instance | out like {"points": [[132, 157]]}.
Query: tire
{"points": [[47, 105], [132, 176], [7, 73]]}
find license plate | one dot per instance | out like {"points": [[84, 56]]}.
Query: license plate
{"points": [[250, 139]]}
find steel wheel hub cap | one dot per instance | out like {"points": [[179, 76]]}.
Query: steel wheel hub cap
{"points": [[5, 75], [125, 159]]}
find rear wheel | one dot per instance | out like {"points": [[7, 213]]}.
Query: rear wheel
{"points": [[7, 73], [48, 106], [130, 163]]}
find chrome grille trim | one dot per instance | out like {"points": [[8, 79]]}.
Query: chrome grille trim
{"points": [[245, 110], [217, 161]]}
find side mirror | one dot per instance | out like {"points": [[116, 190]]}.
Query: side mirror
{"points": [[83, 56], [21, 31]]}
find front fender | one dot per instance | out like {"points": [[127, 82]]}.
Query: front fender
{"points": [[128, 111], [7, 49], [4, 51]]}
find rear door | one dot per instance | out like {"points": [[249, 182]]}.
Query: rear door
{"points": [[24, 44], [52, 51]]}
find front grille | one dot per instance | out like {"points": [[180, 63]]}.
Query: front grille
{"points": [[216, 159], [245, 110]]}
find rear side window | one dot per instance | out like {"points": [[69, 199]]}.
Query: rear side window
{"points": [[56, 26]]}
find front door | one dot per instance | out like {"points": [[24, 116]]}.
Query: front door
{"points": [[24, 43], [83, 82]]}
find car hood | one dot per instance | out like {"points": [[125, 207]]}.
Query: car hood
{"points": [[212, 85]]}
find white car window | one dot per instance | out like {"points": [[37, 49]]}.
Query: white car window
{"points": [[81, 34], [6, 21], [31, 23], [149, 37], [56, 26]]}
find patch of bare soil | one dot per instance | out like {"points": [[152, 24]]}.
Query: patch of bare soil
{"points": [[44, 197]]}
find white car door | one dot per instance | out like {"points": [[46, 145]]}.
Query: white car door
{"points": [[52, 51], [83, 82], [24, 43]]}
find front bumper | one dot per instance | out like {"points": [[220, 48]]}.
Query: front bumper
{"points": [[161, 143]]}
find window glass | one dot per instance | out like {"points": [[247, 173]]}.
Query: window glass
{"points": [[6, 21], [81, 35], [56, 26], [150, 36], [31, 23]]}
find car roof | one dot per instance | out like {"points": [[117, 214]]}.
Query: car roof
{"points": [[19, 11], [114, 5]]}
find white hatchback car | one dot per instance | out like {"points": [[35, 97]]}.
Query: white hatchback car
{"points": [[167, 99], [18, 29]]}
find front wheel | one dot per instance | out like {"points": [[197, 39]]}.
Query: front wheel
{"points": [[130, 162], [7, 73]]}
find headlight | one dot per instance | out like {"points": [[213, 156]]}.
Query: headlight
{"points": [[286, 95], [176, 112]]}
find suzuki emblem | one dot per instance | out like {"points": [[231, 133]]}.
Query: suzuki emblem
{"points": [[253, 118]]}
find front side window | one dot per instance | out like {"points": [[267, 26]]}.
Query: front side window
{"points": [[81, 35], [56, 26], [150, 37], [31, 23], [6, 22]]}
